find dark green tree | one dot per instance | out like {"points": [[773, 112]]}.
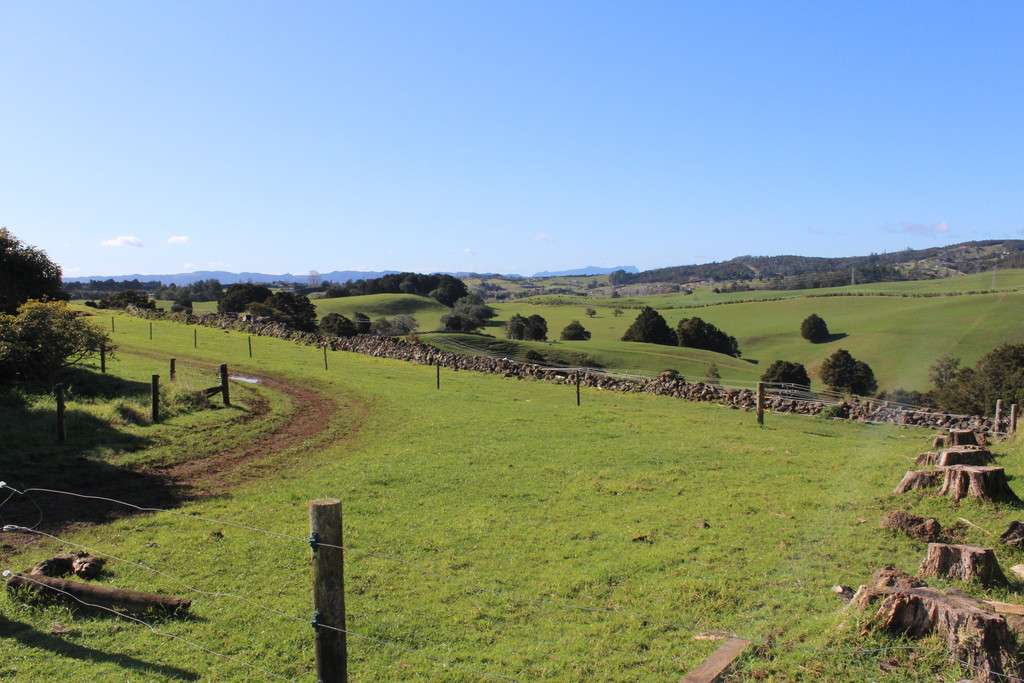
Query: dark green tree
{"points": [[237, 297], [698, 334], [843, 372], [650, 327], [515, 328], [574, 331], [25, 273], [814, 329], [335, 324], [536, 328], [294, 310], [362, 322], [786, 372]]}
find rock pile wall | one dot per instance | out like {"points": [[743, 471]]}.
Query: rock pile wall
{"points": [[663, 385]]}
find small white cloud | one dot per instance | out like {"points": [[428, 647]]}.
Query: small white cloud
{"points": [[940, 228], [542, 237], [469, 252], [122, 241], [179, 239]]}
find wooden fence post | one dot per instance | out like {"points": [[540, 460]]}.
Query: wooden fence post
{"points": [[195, 338], [224, 384], [999, 416], [760, 403], [250, 346], [154, 396], [150, 331], [577, 389], [438, 366], [1013, 418], [325, 356], [328, 591], [111, 323], [103, 357], [58, 391], [173, 373]]}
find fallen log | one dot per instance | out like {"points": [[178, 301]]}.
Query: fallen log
{"points": [[981, 483], [921, 528], [1014, 536], [104, 597], [917, 479], [975, 635], [964, 563]]}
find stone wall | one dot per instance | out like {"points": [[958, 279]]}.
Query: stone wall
{"points": [[663, 385]]}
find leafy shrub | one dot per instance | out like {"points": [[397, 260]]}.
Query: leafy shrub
{"points": [[398, 326], [843, 372], [337, 325], [833, 412], [786, 372], [25, 273], [536, 328], [43, 339], [814, 329], [126, 299], [472, 306], [650, 327], [574, 331], [457, 322], [362, 322], [535, 356], [712, 375], [698, 334]]}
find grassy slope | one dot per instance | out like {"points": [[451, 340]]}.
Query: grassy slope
{"points": [[490, 528], [427, 311]]}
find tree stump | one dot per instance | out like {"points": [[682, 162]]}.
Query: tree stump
{"points": [[939, 441], [974, 634], [962, 437], [963, 455], [918, 479], [921, 528], [1014, 536], [964, 563], [79, 563], [982, 483], [927, 459]]}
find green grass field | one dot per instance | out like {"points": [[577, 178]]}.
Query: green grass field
{"points": [[427, 311], [495, 530]]}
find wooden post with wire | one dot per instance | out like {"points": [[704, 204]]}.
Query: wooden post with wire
{"points": [[438, 366], [225, 392], [154, 396], [58, 391], [1013, 418], [328, 591], [325, 356], [103, 357], [997, 425], [250, 346], [760, 403], [577, 390], [173, 372], [111, 323], [151, 331], [195, 338]]}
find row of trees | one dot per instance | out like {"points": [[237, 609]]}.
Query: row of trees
{"points": [[696, 333], [446, 289]]}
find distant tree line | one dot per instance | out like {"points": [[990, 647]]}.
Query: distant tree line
{"points": [[446, 289]]}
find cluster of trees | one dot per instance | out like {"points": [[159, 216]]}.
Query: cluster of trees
{"points": [[182, 297], [997, 375], [650, 327], [843, 372], [294, 310], [124, 299], [338, 325], [469, 313], [446, 289], [533, 328]]}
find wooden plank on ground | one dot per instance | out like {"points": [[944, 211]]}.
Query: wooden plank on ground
{"points": [[721, 659]]}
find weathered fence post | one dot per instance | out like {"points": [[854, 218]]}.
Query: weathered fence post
{"points": [[250, 346], [173, 372], [111, 323], [151, 331], [195, 338], [1013, 418], [58, 391], [224, 384], [103, 357], [154, 395], [577, 389], [760, 403], [325, 356], [997, 425], [438, 366], [328, 591]]}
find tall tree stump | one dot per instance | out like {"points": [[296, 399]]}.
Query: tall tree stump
{"points": [[963, 455], [918, 479], [962, 437], [982, 483], [974, 634], [964, 563]]}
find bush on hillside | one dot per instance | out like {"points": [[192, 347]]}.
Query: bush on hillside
{"points": [[399, 326], [650, 327], [337, 325], [786, 372], [814, 329], [698, 334], [362, 322], [43, 339], [457, 322], [574, 331], [126, 299], [294, 310], [237, 297], [842, 372], [712, 375], [472, 306], [25, 273], [536, 328]]}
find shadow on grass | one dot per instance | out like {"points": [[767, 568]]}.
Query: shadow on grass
{"points": [[84, 383], [833, 338], [29, 637]]}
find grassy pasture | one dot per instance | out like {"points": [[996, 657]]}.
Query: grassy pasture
{"points": [[427, 311], [495, 530]]}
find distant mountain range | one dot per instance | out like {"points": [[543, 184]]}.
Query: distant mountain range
{"points": [[339, 276]]}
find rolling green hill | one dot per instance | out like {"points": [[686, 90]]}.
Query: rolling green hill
{"points": [[427, 311]]}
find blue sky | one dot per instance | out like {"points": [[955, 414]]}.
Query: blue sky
{"points": [[508, 137]]}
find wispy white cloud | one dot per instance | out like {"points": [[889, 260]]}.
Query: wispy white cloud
{"points": [[122, 241], [908, 228], [469, 252], [179, 239], [542, 237]]}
